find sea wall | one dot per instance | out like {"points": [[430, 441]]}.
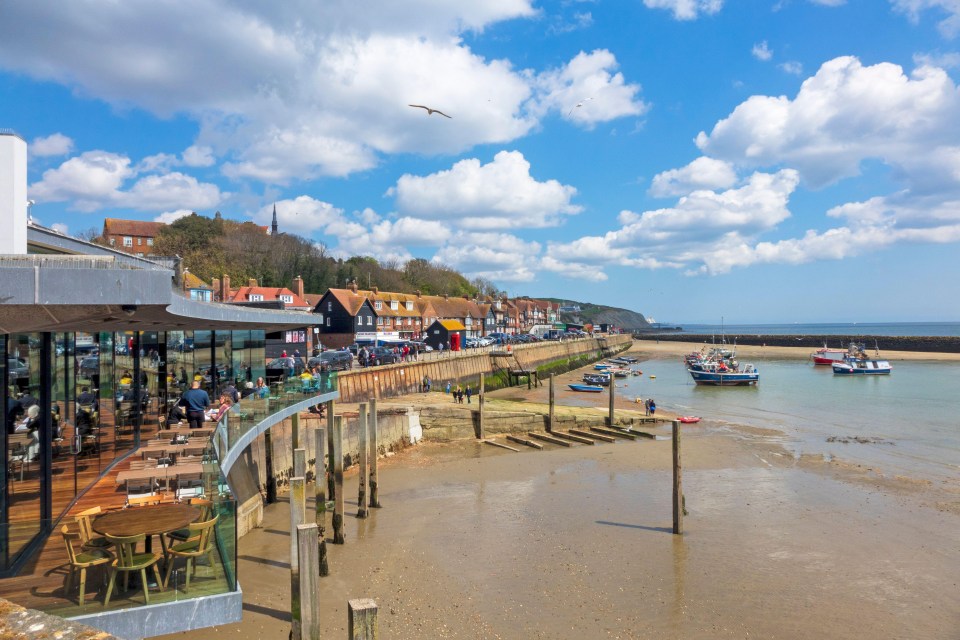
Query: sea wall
{"points": [[929, 344], [395, 380]]}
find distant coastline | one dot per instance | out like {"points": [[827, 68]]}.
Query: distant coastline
{"points": [[825, 329], [924, 344]]}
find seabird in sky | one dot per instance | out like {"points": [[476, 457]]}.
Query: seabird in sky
{"points": [[430, 111], [578, 105]]}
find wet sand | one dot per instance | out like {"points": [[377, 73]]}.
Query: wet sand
{"points": [[744, 352], [477, 542]]}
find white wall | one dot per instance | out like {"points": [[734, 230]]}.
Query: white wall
{"points": [[13, 194]]}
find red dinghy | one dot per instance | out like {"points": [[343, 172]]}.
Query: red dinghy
{"points": [[689, 419]]}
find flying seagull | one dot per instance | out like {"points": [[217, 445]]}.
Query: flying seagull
{"points": [[430, 111], [578, 105]]}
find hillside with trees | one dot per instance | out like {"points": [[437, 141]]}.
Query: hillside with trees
{"points": [[599, 314]]}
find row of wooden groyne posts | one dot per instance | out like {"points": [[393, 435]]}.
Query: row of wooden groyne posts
{"points": [[310, 533]]}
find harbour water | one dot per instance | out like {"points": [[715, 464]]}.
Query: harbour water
{"points": [[911, 416], [852, 329]]}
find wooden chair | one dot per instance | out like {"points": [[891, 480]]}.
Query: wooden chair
{"points": [[143, 501], [139, 465], [206, 510], [141, 488], [128, 560], [89, 538], [198, 545], [189, 484], [81, 561]]}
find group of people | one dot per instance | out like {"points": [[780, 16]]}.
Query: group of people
{"points": [[459, 393], [650, 406]]}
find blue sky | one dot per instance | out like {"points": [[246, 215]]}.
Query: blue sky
{"points": [[790, 161]]}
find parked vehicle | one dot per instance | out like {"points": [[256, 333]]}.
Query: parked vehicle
{"points": [[280, 367], [332, 360], [89, 367], [17, 368], [381, 355]]}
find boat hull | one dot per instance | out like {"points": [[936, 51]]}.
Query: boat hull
{"points": [[724, 379], [867, 368], [586, 388]]}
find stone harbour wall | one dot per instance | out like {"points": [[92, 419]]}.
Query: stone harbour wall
{"points": [[928, 344]]}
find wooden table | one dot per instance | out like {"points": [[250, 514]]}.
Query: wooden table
{"points": [[169, 472], [169, 432], [152, 521]]}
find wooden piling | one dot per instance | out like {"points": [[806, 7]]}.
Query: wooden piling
{"points": [[570, 436], [298, 512], [549, 438], [480, 401], [501, 445], [362, 616], [308, 543], [337, 453], [268, 467], [320, 495], [613, 385], [593, 436], [524, 441], [552, 401], [295, 430], [300, 463], [330, 483], [374, 457], [677, 481], [362, 489], [614, 432]]}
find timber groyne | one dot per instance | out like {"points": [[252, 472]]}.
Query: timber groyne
{"points": [[928, 344]]}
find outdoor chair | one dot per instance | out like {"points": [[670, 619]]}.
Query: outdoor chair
{"points": [[128, 560], [81, 561], [143, 501], [141, 488], [182, 535], [189, 484], [88, 537], [198, 545]]}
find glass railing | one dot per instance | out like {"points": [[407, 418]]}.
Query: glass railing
{"points": [[253, 410]]}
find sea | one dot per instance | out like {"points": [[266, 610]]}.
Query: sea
{"points": [[830, 329], [910, 418]]}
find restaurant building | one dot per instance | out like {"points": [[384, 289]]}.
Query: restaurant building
{"points": [[99, 346]]}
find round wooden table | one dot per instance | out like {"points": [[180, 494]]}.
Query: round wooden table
{"points": [[152, 521]]}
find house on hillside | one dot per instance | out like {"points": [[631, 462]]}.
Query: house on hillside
{"points": [[254, 293], [132, 236], [345, 317], [195, 288]]}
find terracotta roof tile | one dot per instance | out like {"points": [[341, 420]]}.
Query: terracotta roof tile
{"points": [[142, 228]]}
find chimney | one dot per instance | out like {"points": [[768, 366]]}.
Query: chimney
{"points": [[298, 286], [446, 296], [419, 294], [216, 287], [374, 289], [225, 288], [252, 282], [353, 286]]}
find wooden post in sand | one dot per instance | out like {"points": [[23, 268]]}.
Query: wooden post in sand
{"points": [[298, 512], [677, 482], [338, 480], [308, 587], [480, 400], [362, 615], [268, 465], [613, 386], [299, 463], [320, 491], [374, 451], [362, 489], [330, 483], [295, 430], [552, 401]]}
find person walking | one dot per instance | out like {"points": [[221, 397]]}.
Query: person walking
{"points": [[653, 408], [196, 402], [646, 406], [469, 393]]}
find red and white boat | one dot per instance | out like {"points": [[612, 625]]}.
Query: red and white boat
{"points": [[828, 356]]}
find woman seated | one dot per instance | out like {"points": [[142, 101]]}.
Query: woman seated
{"points": [[248, 390], [29, 422], [225, 405], [262, 389]]}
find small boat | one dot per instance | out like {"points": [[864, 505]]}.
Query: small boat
{"points": [[826, 356], [620, 373], [596, 378], [589, 388], [602, 367], [719, 375], [688, 419], [863, 368]]}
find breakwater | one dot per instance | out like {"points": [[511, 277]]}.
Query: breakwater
{"points": [[928, 344]]}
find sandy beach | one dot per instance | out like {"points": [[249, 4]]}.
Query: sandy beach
{"points": [[477, 542]]}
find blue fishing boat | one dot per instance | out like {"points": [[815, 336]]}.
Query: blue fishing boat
{"points": [[720, 375], [602, 367], [862, 368], [589, 388], [597, 378]]}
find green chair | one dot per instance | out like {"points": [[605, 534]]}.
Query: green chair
{"points": [[198, 545], [129, 560]]}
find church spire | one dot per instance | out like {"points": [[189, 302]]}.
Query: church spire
{"points": [[273, 227]]}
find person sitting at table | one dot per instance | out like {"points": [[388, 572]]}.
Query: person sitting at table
{"points": [[176, 414], [248, 390], [231, 391], [29, 422], [196, 401], [262, 389], [14, 411], [126, 379], [225, 405], [87, 398]]}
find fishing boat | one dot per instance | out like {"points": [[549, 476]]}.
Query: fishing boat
{"points": [[602, 367], [864, 367], [720, 375], [620, 373], [588, 388], [596, 378], [827, 356]]}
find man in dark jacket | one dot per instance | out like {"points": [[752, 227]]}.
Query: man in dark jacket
{"points": [[196, 401]]}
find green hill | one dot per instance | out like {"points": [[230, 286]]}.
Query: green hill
{"points": [[600, 314]]}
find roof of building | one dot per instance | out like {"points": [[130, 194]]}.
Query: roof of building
{"points": [[269, 293], [452, 325], [117, 227], [313, 299], [348, 300], [191, 281]]}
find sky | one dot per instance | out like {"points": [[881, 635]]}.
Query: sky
{"points": [[784, 161]]}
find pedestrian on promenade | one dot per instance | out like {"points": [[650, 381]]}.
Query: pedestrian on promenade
{"points": [[469, 393], [653, 408], [646, 406]]}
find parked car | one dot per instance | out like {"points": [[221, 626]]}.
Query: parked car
{"points": [[420, 346], [280, 367], [332, 360], [89, 367], [17, 368], [381, 355]]}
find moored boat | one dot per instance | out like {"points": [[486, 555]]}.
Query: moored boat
{"points": [[719, 375], [596, 378], [589, 388], [827, 356], [688, 419], [863, 368]]}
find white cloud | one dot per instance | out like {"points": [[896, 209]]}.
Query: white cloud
{"points": [[761, 51], [499, 257], [95, 179], [56, 144], [302, 214], [702, 173], [573, 270], [949, 60], [198, 156], [949, 26], [498, 195], [686, 9], [588, 90], [841, 116], [172, 216], [792, 67]]}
